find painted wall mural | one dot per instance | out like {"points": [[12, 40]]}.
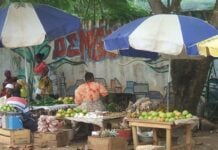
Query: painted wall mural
{"points": [[77, 53], [86, 44]]}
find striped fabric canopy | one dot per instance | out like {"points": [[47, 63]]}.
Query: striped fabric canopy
{"points": [[24, 24], [164, 34]]}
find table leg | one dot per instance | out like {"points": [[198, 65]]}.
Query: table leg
{"points": [[188, 137], [49, 113], [135, 136], [155, 140], [168, 139]]}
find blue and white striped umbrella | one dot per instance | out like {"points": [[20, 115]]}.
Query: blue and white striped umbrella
{"points": [[24, 24], [168, 34]]}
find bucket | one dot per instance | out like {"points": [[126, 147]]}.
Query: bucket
{"points": [[13, 121], [125, 133]]}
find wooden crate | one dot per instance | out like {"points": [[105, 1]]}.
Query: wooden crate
{"points": [[48, 139], [16, 147], [106, 143], [70, 134], [14, 137]]}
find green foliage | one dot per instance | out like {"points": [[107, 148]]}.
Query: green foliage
{"points": [[123, 10], [64, 4]]}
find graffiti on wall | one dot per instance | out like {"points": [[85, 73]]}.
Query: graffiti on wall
{"points": [[86, 44]]}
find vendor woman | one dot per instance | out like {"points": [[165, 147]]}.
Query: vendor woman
{"points": [[89, 94], [44, 84], [21, 106]]}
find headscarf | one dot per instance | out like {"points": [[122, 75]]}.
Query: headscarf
{"points": [[19, 103]]}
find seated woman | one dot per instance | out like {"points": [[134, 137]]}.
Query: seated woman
{"points": [[8, 80], [21, 105]]}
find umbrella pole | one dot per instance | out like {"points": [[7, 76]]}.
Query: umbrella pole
{"points": [[27, 83], [26, 74], [168, 85]]}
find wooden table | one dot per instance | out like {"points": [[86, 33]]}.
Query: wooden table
{"points": [[134, 123], [102, 122], [49, 109]]}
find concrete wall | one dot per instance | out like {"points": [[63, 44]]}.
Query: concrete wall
{"points": [[122, 68], [10, 61]]}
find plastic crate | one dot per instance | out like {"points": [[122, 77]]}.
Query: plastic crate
{"points": [[141, 89]]}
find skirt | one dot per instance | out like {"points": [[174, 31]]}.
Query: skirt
{"points": [[92, 106]]}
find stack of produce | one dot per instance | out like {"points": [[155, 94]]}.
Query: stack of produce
{"points": [[66, 100], [107, 133], [7, 108], [49, 101], [71, 112], [161, 116], [49, 124]]}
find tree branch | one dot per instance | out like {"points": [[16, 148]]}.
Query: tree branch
{"points": [[175, 6], [157, 7]]}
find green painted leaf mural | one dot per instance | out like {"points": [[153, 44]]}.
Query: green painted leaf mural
{"points": [[24, 53]]}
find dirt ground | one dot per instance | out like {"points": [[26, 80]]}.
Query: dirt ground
{"points": [[202, 140], [207, 140]]}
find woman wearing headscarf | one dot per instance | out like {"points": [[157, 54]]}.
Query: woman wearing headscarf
{"points": [[21, 105], [8, 80], [44, 85]]}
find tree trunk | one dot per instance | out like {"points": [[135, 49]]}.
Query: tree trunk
{"points": [[188, 76], [214, 18], [157, 7]]}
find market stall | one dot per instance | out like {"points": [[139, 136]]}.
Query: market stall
{"points": [[168, 121], [50, 105], [101, 119], [49, 109]]}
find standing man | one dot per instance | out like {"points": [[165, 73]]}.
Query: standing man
{"points": [[89, 94]]}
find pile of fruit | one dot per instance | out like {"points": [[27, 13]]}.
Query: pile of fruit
{"points": [[132, 115], [49, 101], [70, 112], [7, 108], [162, 116], [66, 100], [108, 133]]}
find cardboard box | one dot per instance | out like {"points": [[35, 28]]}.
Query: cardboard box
{"points": [[48, 139], [106, 143], [14, 137]]}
